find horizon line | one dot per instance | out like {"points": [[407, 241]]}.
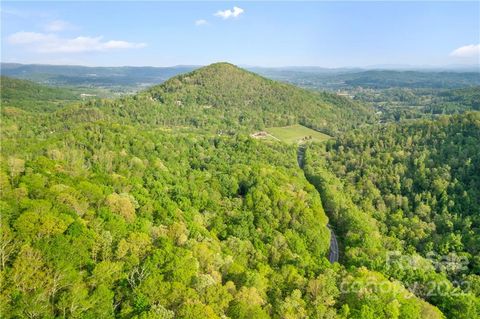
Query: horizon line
{"points": [[392, 66]]}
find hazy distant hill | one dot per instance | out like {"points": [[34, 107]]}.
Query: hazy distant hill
{"points": [[339, 79], [412, 79], [92, 76], [308, 77]]}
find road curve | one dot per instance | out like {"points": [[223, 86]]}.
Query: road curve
{"points": [[334, 253]]}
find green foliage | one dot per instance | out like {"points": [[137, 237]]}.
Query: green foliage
{"points": [[413, 189], [159, 206], [158, 224], [30, 96], [394, 104], [224, 97], [410, 79], [370, 295]]}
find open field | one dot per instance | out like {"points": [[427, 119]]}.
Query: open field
{"points": [[296, 134]]}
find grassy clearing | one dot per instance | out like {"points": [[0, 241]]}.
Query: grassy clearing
{"points": [[296, 134]]}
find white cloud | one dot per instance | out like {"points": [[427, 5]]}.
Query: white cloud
{"points": [[57, 25], [51, 43], [201, 22], [467, 51], [226, 14]]}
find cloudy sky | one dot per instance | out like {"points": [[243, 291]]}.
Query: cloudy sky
{"points": [[328, 34]]}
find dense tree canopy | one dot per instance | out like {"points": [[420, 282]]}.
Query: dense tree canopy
{"points": [[411, 188], [160, 205], [30, 96]]}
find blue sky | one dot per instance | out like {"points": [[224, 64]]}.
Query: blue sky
{"points": [[328, 34]]}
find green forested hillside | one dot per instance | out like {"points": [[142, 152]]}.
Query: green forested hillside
{"points": [[411, 79], [411, 189], [396, 104], [147, 220], [222, 96], [31, 96], [143, 207], [464, 99]]}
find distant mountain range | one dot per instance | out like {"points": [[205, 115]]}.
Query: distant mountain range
{"points": [[136, 78], [95, 76]]}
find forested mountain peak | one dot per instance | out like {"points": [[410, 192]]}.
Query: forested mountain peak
{"points": [[221, 67], [245, 100], [222, 76]]}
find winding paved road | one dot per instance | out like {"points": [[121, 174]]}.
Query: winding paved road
{"points": [[333, 255], [334, 252]]}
